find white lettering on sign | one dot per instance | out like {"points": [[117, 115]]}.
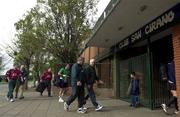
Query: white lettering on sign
{"points": [[166, 18], [124, 43], [136, 36]]}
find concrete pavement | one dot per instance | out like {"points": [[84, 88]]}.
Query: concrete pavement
{"points": [[36, 106]]}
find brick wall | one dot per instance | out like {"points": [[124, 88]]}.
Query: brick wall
{"points": [[86, 55], [176, 47]]}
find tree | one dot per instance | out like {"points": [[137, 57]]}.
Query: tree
{"points": [[68, 26], [0, 63], [52, 29]]}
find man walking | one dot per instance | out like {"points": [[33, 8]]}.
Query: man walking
{"points": [[64, 74], [12, 76], [172, 88], [46, 79], [91, 78], [20, 82], [77, 83]]}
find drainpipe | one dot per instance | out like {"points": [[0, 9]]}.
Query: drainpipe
{"points": [[150, 68], [116, 81]]}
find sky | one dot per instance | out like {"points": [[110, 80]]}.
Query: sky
{"points": [[12, 10]]}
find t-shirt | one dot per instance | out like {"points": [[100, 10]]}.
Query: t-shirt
{"points": [[65, 73], [13, 74]]}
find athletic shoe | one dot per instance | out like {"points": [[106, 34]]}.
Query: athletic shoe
{"points": [[81, 110], [61, 100], [11, 100], [99, 107], [176, 111], [66, 106], [85, 108], [164, 107]]}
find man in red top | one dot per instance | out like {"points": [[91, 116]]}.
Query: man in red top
{"points": [[46, 79], [12, 76]]}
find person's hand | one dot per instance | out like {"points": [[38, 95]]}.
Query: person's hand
{"points": [[174, 93], [22, 79], [100, 82], [79, 83], [7, 79]]}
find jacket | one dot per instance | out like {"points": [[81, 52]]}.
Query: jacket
{"points": [[13, 74], [135, 87], [91, 76], [47, 75], [76, 74]]}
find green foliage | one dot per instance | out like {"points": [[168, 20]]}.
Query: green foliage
{"points": [[52, 33], [0, 63], [69, 24]]}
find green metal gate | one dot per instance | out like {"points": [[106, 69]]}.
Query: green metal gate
{"points": [[138, 64]]}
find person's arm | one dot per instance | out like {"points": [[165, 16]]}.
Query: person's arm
{"points": [[97, 78], [51, 75], [8, 73], [76, 73], [61, 71], [42, 77]]}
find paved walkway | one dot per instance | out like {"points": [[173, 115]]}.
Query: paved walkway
{"points": [[36, 106]]}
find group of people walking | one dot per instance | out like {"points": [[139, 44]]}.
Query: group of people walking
{"points": [[81, 78], [16, 79]]}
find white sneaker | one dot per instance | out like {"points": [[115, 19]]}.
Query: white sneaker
{"points": [[66, 106], [11, 100], [164, 107], [85, 108], [81, 110], [61, 100], [176, 111], [99, 107]]}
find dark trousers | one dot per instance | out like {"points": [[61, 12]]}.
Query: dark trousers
{"points": [[171, 101], [77, 91], [91, 94], [11, 86], [48, 86]]}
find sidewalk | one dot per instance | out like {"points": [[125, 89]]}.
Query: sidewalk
{"points": [[36, 106]]}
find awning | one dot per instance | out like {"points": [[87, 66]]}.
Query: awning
{"points": [[126, 17]]}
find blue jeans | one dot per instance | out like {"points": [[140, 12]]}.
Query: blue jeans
{"points": [[11, 86], [134, 100], [91, 94]]}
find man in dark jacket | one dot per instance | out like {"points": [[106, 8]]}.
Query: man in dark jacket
{"points": [[91, 78], [77, 83], [12, 76]]}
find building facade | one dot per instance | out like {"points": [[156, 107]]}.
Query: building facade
{"points": [[141, 36]]}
